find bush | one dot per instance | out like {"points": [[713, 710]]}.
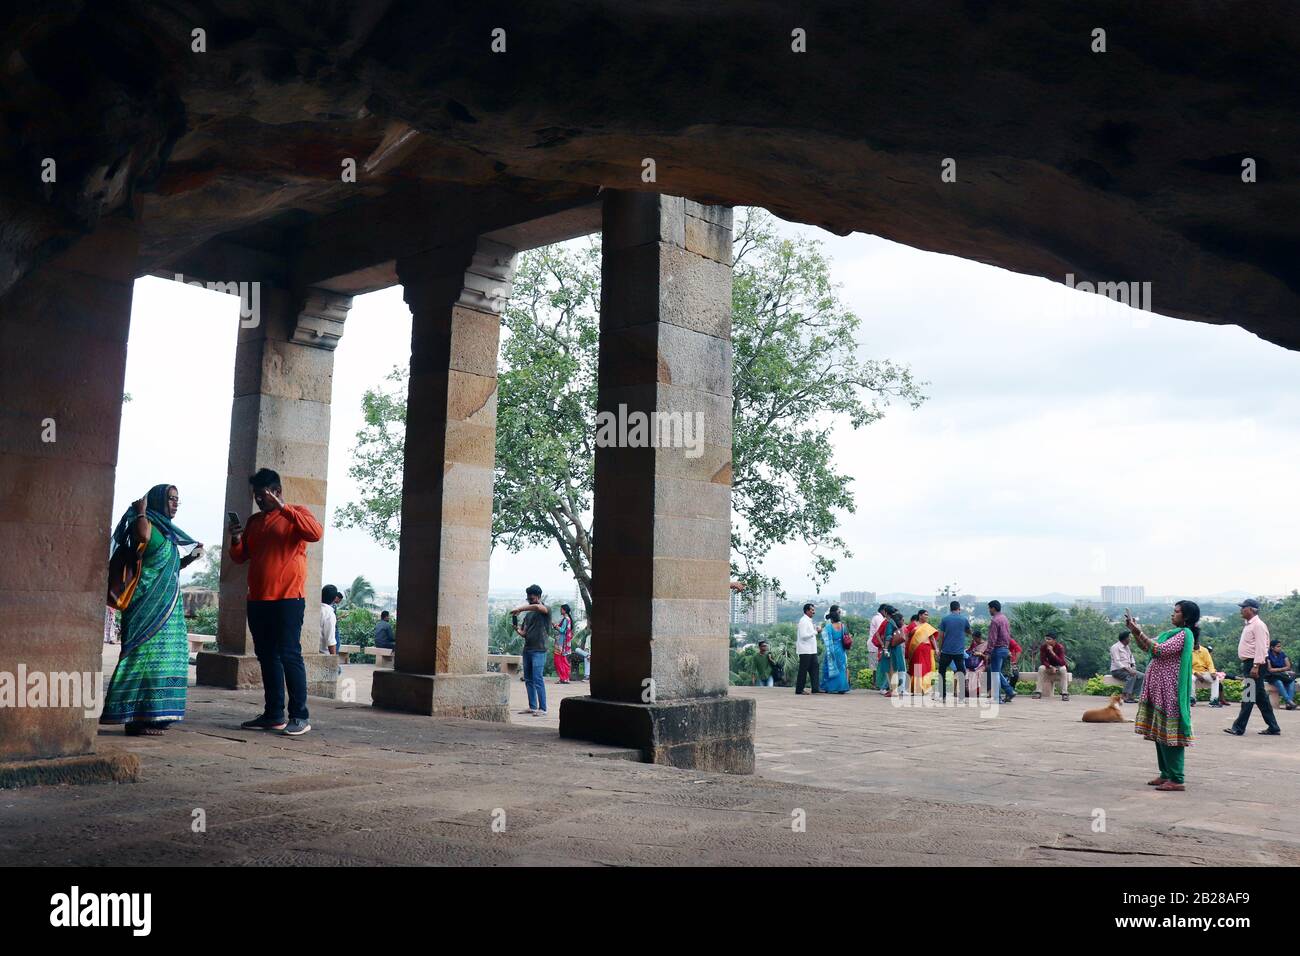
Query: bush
{"points": [[204, 621], [865, 679], [1026, 686], [1096, 688]]}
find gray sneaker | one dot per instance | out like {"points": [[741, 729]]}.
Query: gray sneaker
{"points": [[262, 722], [296, 728]]}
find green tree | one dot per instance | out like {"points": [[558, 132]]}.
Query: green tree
{"points": [[1088, 635], [796, 373], [377, 462], [1030, 621], [208, 573], [356, 625], [360, 593]]}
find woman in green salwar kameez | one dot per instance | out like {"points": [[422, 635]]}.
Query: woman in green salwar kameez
{"points": [[147, 691], [1164, 715]]}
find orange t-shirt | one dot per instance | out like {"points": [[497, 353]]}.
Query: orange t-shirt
{"points": [[275, 545]]}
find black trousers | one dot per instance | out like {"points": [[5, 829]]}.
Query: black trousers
{"points": [[960, 661], [1261, 698], [807, 665], [277, 642]]}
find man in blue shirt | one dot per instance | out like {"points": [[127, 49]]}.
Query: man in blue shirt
{"points": [[952, 651]]}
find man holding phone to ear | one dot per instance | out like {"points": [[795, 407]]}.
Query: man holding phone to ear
{"points": [[275, 548]]}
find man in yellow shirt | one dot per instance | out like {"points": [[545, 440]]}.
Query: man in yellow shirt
{"points": [[1204, 672]]}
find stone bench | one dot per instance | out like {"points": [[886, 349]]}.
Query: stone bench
{"points": [[511, 664], [200, 642], [349, 651], [383, 656]]}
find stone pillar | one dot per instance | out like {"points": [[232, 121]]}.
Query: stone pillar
{"points": [[456, 296], [280, 419], [662, 515], [63, 333]]}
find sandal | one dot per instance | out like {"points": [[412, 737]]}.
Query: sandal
{"points": [[1157, 781], [1037, 696], [134, 729], [1170, 787], [1065, 697]]}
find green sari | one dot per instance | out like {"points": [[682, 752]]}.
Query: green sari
{"points": [[150, 681]]}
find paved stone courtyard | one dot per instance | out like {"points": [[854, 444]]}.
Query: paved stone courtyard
{"points": [[876, 784]]}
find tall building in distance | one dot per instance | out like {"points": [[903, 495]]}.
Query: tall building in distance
{"points": [[857, 597], [1125, 594], [760, 610]]}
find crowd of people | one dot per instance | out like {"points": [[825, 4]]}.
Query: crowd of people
{"points": [[916, 657]]}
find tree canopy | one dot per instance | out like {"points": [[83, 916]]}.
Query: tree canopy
{"points": [[797, 373]]}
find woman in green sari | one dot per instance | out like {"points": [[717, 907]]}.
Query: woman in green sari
{"points": [[147, 691], [1164, 715]]}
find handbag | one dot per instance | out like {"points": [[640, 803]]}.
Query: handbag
{"points": [[847, 641], [124, 573]]}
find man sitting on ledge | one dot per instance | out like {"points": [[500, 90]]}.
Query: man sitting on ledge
{"points": [[1124, 667], [1052, 667]]}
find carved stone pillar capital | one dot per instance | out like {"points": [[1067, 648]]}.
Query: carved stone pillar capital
{"points": [[320, 320]]}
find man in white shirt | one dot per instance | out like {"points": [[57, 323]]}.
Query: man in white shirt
{"points": [[805, 645], [1253, 652], [1124, 667], [329, 596], [873, 652]]}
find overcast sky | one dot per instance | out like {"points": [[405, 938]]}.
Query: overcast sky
{"points": [[1067, 442]]}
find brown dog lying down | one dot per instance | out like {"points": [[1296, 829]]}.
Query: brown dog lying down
{"points": [[1110, 714]]}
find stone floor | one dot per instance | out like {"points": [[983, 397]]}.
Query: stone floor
{"points": [[873, 783]]}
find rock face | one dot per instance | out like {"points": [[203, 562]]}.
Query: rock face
{"points": [[1123, 165], [195, 599]]}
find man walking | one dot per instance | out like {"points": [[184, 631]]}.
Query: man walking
{"points": [[999, 649], [763, 671], [952, 649], [805, 645], [1124, 667], [1253, 652], [275, 548]]}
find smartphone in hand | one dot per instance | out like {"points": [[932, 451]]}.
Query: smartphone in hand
{"points": [[232, 520]]}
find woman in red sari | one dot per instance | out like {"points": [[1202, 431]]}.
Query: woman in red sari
{"points": [[563, 643], [920, 654]]}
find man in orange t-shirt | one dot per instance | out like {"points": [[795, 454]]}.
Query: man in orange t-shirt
{"points": [[275, 547]]}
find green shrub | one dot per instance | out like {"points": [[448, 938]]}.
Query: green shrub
{"points": [[204, 621], [1096, 688], [1026, 686], [865, 679]]}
